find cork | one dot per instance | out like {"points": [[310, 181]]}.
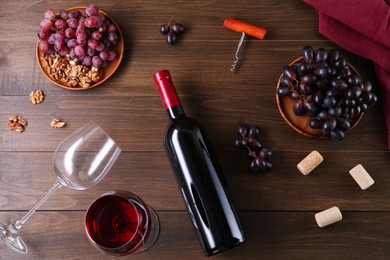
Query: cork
{"points": [[361, 176], [310, 162], [328, 216]]}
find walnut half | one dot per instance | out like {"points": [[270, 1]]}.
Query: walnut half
{"points": [[56, 123], [37, 97], [17, 123]]}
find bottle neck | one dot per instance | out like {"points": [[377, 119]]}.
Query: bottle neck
{"points": [[175, 112], [168, 94]]}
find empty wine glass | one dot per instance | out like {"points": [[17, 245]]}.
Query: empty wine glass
{"points": [[80, 161]]}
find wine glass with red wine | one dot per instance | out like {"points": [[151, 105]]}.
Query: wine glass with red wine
{"points": [[80, 161], [119, 223]]}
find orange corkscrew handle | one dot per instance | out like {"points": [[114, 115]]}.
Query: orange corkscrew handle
{"points": [[241, 26]]}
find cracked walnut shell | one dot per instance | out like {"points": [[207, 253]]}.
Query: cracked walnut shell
{"points": [[37, 97], [17, 123], [56, 123]]}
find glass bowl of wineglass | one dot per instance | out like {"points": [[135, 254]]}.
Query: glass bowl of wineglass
{"points": [[80, 161], [119, 223]]}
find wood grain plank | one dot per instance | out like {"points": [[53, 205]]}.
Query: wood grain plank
{"points": [[293, 235], [138, 123], [149, 175]]}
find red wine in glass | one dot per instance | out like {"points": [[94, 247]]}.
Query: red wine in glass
{"points": [[120, 223]]}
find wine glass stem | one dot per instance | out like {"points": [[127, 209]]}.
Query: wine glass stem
{"points": [[18, 224]]}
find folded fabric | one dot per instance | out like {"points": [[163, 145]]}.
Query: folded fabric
{"points": [[362, 27]]}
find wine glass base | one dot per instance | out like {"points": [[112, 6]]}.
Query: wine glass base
{"points": [[13, 241], [154, 232]]}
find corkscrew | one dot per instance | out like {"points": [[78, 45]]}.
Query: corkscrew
{"points": [[245, 29]]}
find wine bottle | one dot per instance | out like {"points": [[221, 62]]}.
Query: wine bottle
{"points": [[198, 175]]}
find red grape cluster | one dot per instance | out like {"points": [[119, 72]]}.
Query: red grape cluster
{"points": [[326, 88], [258, 155], [171, 31], [83, 35]]}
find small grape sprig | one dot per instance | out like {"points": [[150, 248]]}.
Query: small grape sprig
{"points": [[258, 155], [171, 31]]}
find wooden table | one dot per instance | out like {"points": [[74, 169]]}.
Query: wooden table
{"points": [[277, 207]]}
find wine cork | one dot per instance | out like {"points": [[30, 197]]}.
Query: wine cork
{"points": [[361, 176], [328, 216], [310, 162]]}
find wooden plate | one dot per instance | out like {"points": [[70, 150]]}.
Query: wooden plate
{"points": [[106, 73], [301, 123]]}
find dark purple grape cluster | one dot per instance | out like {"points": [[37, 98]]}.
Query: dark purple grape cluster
{"points": [[258, 155], [171, 31], [83, 35], [327, 89]]}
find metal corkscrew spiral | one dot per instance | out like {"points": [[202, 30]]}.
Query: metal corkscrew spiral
{"points": [[235, 64], [244, 28]]}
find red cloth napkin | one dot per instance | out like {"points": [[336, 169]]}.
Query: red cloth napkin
{"points": [[362, 27]]}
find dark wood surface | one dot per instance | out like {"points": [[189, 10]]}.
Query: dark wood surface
{"points": [[277, 207]]}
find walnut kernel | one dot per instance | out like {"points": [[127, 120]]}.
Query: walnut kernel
{"points": [[37, 97], [17, 123], [56, 123]]}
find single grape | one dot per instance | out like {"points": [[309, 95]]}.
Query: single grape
{"points": [[310, 107], [90, 22], [305, 89], [111, 28], [283, 91], [367, 86], [72, 22], [64, 15], [321, 55], [79, 51], [69, 32], [373, 99], [254, 131], [322, 115], [355, 111], [92, 43], [345, 72], [111, 55], [303, 69], [329, 101], [96, 61], [343, 123], [363, 107], [241, 143], [72, 43], [96, 35], [315, 123], [49, 14], [177, 28], [171, 37], [113, 37], [335, 111], [100, 46], [340, 63], [318, 98], [60, 24], [337, 134], [309, 79], [91, 52], [72, 54], [253, 167], [243, 130], [354, 92], [103, 55], [308, 54], [164, 29], [266, 153], [290, 72], [43, 45], [51, 39], [298, 108], [329, 124], [46, 25], [322, 71], [285, 81], [43, 34], [92, 10], [333, 55]]}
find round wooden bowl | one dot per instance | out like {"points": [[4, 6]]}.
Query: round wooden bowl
{"points": [[106, 73], [301, 123]]}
